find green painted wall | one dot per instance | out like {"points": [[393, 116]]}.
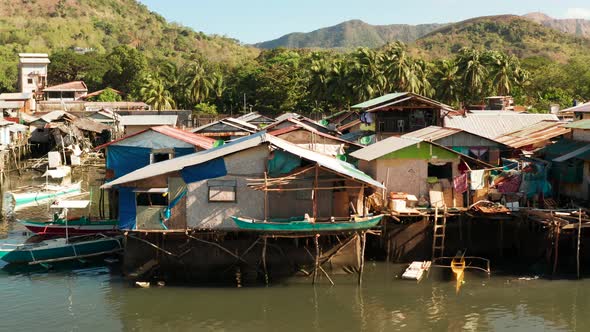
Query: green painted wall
{"points": [[421, 150]]}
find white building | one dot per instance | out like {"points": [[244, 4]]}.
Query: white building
{"points": [[32, 72]]}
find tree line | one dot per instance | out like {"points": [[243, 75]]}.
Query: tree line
{"points": [[308, 81]]}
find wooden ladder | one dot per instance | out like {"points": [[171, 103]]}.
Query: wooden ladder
{"points": [[438, 238]]}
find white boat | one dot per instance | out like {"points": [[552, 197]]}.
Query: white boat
{"points": [[39, 195], [416, 270]]}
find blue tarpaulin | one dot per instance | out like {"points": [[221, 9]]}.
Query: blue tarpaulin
{"points": [[126, 208], [126, 159], [282, 163], [209, 170]]}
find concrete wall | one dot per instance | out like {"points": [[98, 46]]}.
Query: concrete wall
{"points": [[249, 203], [581, 135], [406, 175]]}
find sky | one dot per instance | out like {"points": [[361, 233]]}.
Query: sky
{"points": [[252, 21]]}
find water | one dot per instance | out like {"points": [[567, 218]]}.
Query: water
{"points": [[94, 297]]}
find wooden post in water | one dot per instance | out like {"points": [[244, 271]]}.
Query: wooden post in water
{"points": [[579, 235], [363, 237], [265, 201], [264, 261], [315, 193], [556, 246], [317, 258]]}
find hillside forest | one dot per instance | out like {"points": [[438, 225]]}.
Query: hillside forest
{"points": [[137, 52]]}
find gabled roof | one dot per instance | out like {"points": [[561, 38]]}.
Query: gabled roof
{"points": [[535, 134], [580, 124], [255, 117], [286, 116], [302, 126], [149, 120], [574, 154], [69, 86], [35, 58], [392, 99], [493, 124], [582, 108], [244, 143], [223, 124], [301, 121], [383, 147], [432, 133], [98, 92], [179, 134]]}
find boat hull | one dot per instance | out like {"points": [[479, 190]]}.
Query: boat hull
{"points": [[59, 249], [306, 226], [34, 198], [80, 226]]}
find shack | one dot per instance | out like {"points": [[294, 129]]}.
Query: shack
{"points": [[256, 119], [137, 123], [534, 137], [226, 129], [190, 200], [423, 169], [299, 120], [466, 143], [312, 139], [69, 91], [398, 113]]}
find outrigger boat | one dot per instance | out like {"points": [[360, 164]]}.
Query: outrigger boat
{"points": [[62, 249], [38, 195], [306, 225], [59, 224]]}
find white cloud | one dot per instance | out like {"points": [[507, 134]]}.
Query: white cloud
{"points": [[578, 13]]}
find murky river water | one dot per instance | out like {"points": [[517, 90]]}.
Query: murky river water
{"points": [[93, 297]]}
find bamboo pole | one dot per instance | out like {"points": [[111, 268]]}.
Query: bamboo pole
{"points": [[265, 203], [317, 258], [264, 262], [578, 250], [315, 193], [362, 267]]}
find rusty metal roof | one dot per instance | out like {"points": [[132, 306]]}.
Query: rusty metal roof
{"points": [[179, 134], [432, 133], [69, 86], [538, 133], [492, 124]]}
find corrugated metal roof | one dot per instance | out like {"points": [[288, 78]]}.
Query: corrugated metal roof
{"points": [[11, 104], [238, 124], [179, 134], [69, 86], [432, 133], [286, 116], [538, 133], [379, 100], [384, 147], [492, 124], [149, 120], [302, 126], [177, 164], [582, 108], [16, 96], [572, 154], [255, 117], [580, 124]]}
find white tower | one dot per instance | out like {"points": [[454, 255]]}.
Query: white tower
{"points": [[32, 72]]}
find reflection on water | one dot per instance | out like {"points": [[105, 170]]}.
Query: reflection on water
{"points": [[92, 298], [88, 297]]}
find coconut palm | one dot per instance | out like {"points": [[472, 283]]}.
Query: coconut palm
{"points": [[197, 83], [447, 78], [472, 67], [155, 94], [366, 76]]}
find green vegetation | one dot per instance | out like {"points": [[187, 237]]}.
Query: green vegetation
{"points": [[128, 48]]}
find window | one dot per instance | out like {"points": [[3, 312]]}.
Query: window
{"points": [[222, 190], [444, 171], [29, 80], [158, 155], [152, 199]]}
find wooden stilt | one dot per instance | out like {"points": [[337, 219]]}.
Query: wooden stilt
{"points": [[556, 248], [578, 250], [265, 201], [363, 237], [315, 194], [317, 258], [264, 261], [501, 239]]}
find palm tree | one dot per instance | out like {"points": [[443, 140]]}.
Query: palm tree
{"points": [[154, 93], [472, 69], [319, 77], [506, 72], [398, 68], [198, 84], [367, 78], [447, 77]]}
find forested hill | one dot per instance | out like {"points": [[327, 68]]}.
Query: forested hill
{"points": [[507, 33], [351, 34], [101, 25]]}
